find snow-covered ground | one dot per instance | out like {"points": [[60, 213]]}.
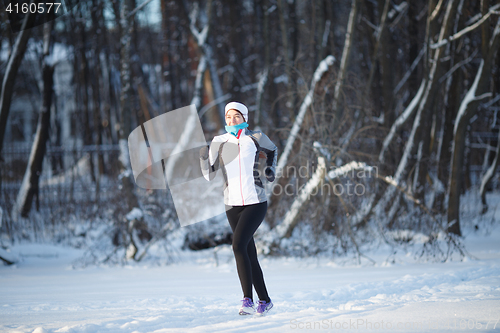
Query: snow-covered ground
{"points": [[45, 293]]}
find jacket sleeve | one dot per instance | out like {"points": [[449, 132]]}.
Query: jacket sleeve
{"points": [[271, 152], [210, 165]]}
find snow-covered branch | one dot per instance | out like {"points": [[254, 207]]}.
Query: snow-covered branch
{"points": [[436, 10], [469, 97], [201, 36], [462, 32], [198, 85], [345, 54], [260, 92], [349, 167], [323, 68], [400, 121], [285, 228], [410, 70]]}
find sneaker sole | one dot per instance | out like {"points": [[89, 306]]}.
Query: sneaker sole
{"points": [[243, 313]]}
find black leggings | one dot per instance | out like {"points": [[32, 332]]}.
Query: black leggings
{"points": [[244, 221]]}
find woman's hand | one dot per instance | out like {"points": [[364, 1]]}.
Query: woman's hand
{"points": [[269, 175]]}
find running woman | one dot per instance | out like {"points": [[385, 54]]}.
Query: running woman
{"points": [[237, 154]]}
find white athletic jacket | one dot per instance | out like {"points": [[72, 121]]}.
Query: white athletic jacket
{"points": [[238, 158]]}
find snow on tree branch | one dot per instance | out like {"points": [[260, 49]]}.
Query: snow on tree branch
{"points": [[459, 34], [285, 228], [308, 100], [400, 121], [201, 36], [410, 70], [346, 168], [469, 97]]}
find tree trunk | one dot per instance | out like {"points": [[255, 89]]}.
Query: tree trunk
{"points": [[349, 40], [485, 29], [10, 75], [264, 74], [467, 109], [203, 41], [96, 95], [286, 56], [436, 70], [387, 60], [380, 43], [413, 35], [400, 121], [29, 187], [167, 64], [125, 109], [84, 75], [488, 176], [322, 69], [444, 157], [190, 125], [425, 104], [217, 87]]}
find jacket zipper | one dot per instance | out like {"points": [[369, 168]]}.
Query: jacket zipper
{"points": [[241, 185]]}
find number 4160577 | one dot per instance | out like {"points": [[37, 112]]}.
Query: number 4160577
{"points": [[495, 326], [33, 7], [464, 324]]}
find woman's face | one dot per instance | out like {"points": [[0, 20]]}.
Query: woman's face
{"points": [[233, 117]]}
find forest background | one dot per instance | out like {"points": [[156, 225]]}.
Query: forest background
{"points": [[390, 106]]}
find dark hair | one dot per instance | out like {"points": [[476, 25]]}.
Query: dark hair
{"points": [[241, 114]]}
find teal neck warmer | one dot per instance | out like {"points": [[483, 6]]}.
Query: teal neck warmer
{"points": [[234, 129]]}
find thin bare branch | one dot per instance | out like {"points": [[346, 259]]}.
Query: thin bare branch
{"points": [[459, 34], [436, 10], [457, 66], [138, 8], [412, 68]]}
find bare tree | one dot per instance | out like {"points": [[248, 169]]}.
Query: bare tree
{"points": [[344, 62], [11, 70], [488, 176], [125, 105], [29, 187], [477, 92], [286, 56]]}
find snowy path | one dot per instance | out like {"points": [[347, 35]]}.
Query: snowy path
{"points": [[46, 295]]}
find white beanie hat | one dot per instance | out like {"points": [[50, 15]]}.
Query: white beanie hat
{"points": [[239, 107]]}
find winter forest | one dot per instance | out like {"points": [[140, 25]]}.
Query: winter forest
{"points": [[386, 200], [384, 114]]}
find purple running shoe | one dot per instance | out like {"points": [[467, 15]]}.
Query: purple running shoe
{"points": [[247, 307], [263, 307]]}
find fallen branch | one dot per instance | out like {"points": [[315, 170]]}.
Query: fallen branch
{"points": [[7, 261], [285, 228]]}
